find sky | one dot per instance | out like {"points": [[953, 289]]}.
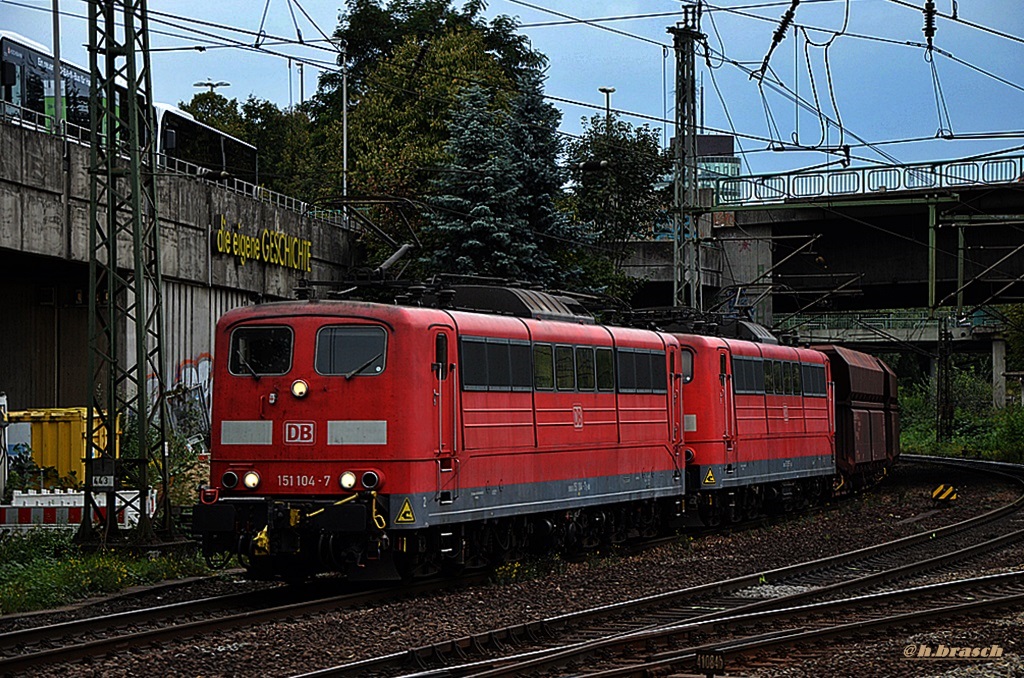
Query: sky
{"points": [[895, 98]]}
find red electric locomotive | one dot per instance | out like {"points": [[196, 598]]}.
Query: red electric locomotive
{"points": [[349, 434], [381, 439], [759, 427]]}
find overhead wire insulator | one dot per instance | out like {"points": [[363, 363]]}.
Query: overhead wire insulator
{"points": [[780, 33], [929, 22], [787, 19]]}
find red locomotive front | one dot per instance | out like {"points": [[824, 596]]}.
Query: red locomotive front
{"points": [[318, 409]]}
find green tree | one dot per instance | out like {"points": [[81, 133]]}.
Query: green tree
{"points": [[372, 32], [216, 111], [537, 147], [399, 131], [479, 224], [282, 139], [615, 169]]}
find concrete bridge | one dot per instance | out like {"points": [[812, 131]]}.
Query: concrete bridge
{"points": [[920, 236], [209, 258]]}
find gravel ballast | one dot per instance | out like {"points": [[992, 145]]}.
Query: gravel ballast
{"points": [[899, 507]]}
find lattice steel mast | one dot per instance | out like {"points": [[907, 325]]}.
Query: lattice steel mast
{"points": [[687, 278], [125, 316]]}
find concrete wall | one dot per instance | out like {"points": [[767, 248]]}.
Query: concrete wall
{"points": [[44, 254]]}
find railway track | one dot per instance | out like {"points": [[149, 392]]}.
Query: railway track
{"points": [[818, 589], [33, 647]]}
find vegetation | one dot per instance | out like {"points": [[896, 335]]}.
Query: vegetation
{"points": [[979, 430], [43, 569], [421, 74]]}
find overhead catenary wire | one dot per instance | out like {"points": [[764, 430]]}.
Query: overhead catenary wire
{"points": [[230, 43]]}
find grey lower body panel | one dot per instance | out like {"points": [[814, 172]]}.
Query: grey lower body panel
{"points": [[762, 471], [479, 503]]}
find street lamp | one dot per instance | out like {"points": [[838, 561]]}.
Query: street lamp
{"points": [[607, 91], [211, 84], [342, 47]]}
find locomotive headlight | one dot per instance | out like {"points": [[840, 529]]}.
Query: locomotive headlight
{"points": [[300, 388], [370, 480], [251, 480], [348, 480], [229, 479]]}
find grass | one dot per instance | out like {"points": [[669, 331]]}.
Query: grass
{"points": [[42, 569]]}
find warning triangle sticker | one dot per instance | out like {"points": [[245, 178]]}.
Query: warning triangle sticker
{"points": [[405, 514], [709, 478]]}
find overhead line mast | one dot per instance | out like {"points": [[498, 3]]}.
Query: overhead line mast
{"points": [[125, 311], [687, 278]]}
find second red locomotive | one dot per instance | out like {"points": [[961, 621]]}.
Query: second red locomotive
{"points": [[355, 437]]}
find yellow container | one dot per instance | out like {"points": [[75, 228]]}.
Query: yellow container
{"points": [[58, 438]]}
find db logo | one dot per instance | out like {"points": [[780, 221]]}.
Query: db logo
{"points": [[577, 416], [299, 432]]}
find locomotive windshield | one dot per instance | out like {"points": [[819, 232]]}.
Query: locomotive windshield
{"points": [[260, 351], [348, 350]]}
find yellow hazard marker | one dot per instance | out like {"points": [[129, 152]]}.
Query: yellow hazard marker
{"points": [[709, 478], [405, 514], [944, 493]]}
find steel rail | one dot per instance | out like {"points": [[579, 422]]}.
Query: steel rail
{"points": [[549, 627], [174, 629]]}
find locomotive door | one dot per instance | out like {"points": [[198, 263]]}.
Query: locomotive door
{"points": [[445, 415], [728, 402]]}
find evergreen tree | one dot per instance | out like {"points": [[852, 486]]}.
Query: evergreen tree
{"points": [[479, 223], [537, 145]]}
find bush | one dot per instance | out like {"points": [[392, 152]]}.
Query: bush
{"points": [[978, 428], [42, 568]]}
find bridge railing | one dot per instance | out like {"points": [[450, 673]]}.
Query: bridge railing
{"points": [[899, 321], [773, 188], [27, 118]]}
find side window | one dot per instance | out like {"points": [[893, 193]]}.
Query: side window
{"points": [[605, 370], [642, 371], [742, 378], [565, 370], [687, 366], [441, 356], [474, 364], [644, 376], [769, 377], [797, 386], [522, 366], [499, 369], [543, 367], [495, 364], [627, 370], [814, 380], [585, 375], [777, 381], [659, 373]]}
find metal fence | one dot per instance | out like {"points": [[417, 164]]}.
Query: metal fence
{"points": [[29, 119], [771, 188]]}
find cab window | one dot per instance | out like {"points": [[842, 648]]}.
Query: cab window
{"points": [[349, 351], [260, 351]]}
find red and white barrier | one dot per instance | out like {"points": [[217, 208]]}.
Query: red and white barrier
{"points": [[63, 509]]}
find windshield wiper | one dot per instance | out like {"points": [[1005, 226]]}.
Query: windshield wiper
{"points": [[245, 363], [362, 367]]}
